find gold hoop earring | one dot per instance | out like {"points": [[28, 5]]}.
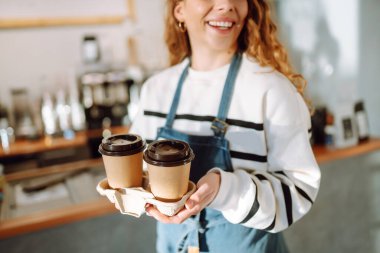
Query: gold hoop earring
{"points": [[182, 27]]}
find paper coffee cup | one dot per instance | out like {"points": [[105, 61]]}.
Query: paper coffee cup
{"points": [[122, 157], [169, 164]]}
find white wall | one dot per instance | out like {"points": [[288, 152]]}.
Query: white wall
{"points": [[348, 41], [369, 61], [26, 55], [323, 40]]}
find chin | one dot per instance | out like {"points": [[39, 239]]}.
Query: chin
{"points": [[221, 44]]}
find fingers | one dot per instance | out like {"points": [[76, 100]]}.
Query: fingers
{"points": [[180, 217], [198, 200], [208, 186], [193, 206]]}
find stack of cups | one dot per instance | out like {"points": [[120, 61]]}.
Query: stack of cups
{"points": [[122, 157], [169, 164]]}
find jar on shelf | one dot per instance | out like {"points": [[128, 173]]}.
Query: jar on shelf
{"points": [[361, 121]]}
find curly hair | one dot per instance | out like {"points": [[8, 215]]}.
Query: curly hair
{"points": [[257, 39]]}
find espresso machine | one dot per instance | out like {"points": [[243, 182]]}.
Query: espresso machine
{"points": [[105, 97]]}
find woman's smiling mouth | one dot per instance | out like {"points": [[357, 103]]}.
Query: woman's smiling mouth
{"points": [[223, 25]]}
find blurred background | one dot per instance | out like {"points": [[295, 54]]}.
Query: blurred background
{"points": [[71, 73]]}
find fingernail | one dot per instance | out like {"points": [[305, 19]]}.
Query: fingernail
{"points": [[189, 204]]}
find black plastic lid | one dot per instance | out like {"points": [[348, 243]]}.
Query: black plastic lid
{"points": [[168, 153], [122, 144]]}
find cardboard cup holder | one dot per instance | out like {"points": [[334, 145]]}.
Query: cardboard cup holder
{"points": [[132, 201]]}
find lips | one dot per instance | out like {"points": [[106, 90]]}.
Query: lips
{"points": [[221, 24]]}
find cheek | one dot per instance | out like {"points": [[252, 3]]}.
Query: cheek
{"points": [[243, 11], [244, 15], [199, 13], [199, 9], [195, 20]]}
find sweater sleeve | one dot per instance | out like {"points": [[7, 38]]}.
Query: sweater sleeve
{"points": [[274, 199]]}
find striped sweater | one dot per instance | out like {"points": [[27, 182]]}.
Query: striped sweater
{"points": [[276, 178]]}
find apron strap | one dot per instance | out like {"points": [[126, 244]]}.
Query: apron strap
{"points": [[219, 125], [177, 95]]}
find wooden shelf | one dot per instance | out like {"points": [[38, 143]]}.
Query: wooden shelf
{"points": [[61, 18], [27, 147], [47, 219], [323, 154], [64, 21], [60, 168]]}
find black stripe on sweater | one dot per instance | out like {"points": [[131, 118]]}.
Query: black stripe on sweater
{"points": [[254, 208], [246, 124], [304, 194], [280, 172], [155, 114], [271, 226], [233, 122], [261, 177], [288, 203], [247, 156], [299, 190]]}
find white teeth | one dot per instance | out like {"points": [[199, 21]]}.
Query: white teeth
{"points": [[224, 24]]}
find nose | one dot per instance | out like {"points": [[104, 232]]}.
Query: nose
{"points": [[224, 5]]}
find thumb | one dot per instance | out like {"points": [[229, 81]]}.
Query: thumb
{"points": [[198, 196]]}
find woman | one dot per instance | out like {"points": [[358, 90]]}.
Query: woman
{"points": [[232, 95]]}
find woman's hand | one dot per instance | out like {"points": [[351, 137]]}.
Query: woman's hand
{"points": [[207, 188]]}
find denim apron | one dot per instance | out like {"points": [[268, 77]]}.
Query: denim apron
{"points": [[209, 231]]}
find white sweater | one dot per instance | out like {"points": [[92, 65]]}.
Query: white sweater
{"points": [[276, 178]]}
